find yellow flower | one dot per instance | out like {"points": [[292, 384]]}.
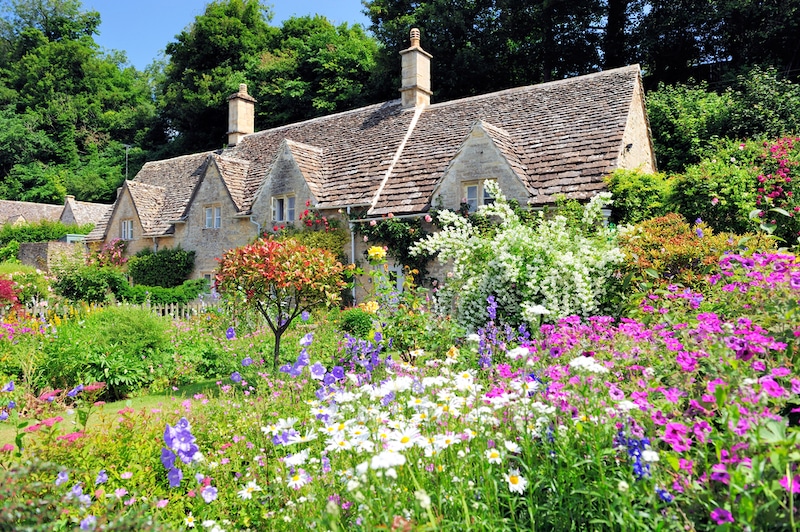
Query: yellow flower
{"points": [[376, 253], [370, 306]]}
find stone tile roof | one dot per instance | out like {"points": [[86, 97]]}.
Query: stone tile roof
{"points": [[83, 212], [566, 136], [310, 160], [234, 175], [23, 211]]}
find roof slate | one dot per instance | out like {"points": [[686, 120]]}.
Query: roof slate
{"points": [[85, 212], [13, 211]]}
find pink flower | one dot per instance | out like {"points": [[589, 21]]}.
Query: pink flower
{"points": [[126, 475], [7, 448], [721, 516], [162, 503], [428, 218], [772, 388], [791, 485], [675, 435]]}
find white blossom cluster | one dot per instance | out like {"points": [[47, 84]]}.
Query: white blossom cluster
{"points": [[550, 269]]}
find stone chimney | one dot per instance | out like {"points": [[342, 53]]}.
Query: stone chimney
{"points": [[241, 115], [416, 83]]}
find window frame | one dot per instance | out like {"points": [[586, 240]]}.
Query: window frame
{"points": [[126, 229], [284, 208], [213, 217], [482, 196]]}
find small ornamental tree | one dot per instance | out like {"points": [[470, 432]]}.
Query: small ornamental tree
{"points": [[280, 279]]}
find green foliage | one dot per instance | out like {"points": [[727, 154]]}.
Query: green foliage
{"points": [[667, 250], [10, 252], [187, 291], [78, 281], [399, 235], [637, 195], [125, 347], [42, 231], [167, 267], [356, 322], [684, 119], [765, 105]]}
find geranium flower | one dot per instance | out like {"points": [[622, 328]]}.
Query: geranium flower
{"points": [[721, 516]]}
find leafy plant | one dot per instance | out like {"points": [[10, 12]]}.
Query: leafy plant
{"points": [[356, 322], [167, 267], [638, 195], [280, 279], [183, 293]]}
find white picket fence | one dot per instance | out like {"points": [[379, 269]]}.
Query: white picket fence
{"points": [[174, 310]]}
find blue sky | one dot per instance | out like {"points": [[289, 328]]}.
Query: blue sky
{"points": [[142, 28]]}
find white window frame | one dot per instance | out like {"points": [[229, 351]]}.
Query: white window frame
{"points": [[126, 229], [213, 217], [481, 195], [284, 208]]}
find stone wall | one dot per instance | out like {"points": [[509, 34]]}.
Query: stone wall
{"points": [[42, 255]]}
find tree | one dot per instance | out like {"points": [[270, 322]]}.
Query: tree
{"points": [[206, 64], [280, 279], [315, 68]]}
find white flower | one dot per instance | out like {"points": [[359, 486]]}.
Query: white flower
{"points": [[516, 482], [518, 352], [386, 460], [512, 447], [299, 479], [623, 486], [649, 455], [249, 489], [537, 309], [423, 498], [190, 520], [296, 459], [493, 456]]}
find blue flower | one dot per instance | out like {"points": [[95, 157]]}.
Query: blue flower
{"points": [[12, 405], [236, 377], [318, 371], [664, 495], [303, 359], [246, 361], [102, 477], [88, 522], [338, 372], [209, 494], [9, 387], [63, 477], [174, 476], [305, 315], [75, 391], [167, 458], [230, 334], [3, 415], [306, 340]]}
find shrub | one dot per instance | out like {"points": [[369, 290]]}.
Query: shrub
{"points": [[356, 322], [553, 267], [125, 347], [168, 267], [157, 295], [89, 283], [668, 250], [10, 252], [638, 195], [30, 284], [44, 231]]}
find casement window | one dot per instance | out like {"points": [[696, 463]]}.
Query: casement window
{"points": [[475, 194], [126, 230], [283, 208], [213, 217]]}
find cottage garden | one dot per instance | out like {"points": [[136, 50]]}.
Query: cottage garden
{"points": [[566, 375]]}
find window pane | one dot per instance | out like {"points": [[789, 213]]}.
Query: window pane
{"points": [[472, 197], [217, 217], [281, 212], [488, 199], [208, 217], [290, 209]]}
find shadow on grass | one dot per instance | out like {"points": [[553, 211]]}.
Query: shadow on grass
{"points": [[105, 411]]}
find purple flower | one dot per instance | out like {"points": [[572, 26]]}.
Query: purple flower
{"points": [[230, 334], [246, 361], [63, 477], [102, 477], [318, 371], [699, 232], [75, 391], [303, 359], [174, 476], [9, 387], [12, 405], [721, 516], [305, 315], [209, 494], [236, 377], [167, 458], [3, 415], [338, 372], [88, 522], [306, 340]]}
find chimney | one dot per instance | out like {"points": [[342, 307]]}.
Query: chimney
{"points": [[241, 115], [416, 83]]}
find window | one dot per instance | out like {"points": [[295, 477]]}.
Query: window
{"points": [[126, 231], [283, 209], [213, 217], [475, 194]]}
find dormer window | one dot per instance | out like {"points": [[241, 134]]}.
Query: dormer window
{"points": [[213, 217], [475, 194], [126, 230], [283, 208]]}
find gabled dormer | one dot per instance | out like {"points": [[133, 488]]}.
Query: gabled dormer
{"points": [[487, 153]]}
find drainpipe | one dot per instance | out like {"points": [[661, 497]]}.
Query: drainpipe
{"points": [[155, 244], [352, 228], [258, 226]]}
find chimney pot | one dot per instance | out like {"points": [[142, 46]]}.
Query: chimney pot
{"points": [[415, 86], [241, 115]]}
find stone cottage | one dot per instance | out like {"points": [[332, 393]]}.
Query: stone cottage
{"points": [[401, 157]]}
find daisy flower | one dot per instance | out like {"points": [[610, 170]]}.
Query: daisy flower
{"points": [[299, 479], [190, 520], [516, 482], [493, 456], [249, 489]]}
